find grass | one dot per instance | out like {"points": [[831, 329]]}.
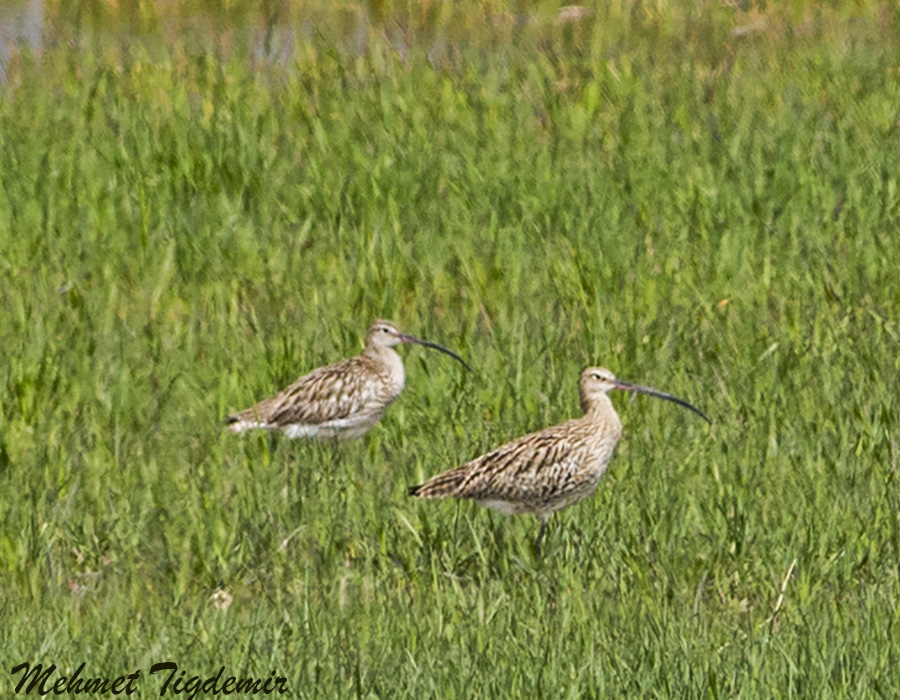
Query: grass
{"points": [[185, 229]]}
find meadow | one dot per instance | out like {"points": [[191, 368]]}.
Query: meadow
{"points": [[703, 197]]}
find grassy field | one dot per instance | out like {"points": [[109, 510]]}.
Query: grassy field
{"points": [[705, 200]]}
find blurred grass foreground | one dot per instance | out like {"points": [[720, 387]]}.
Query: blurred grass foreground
{"points": [[201, 201]]}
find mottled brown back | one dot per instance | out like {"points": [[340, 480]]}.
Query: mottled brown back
{"points": [[325, 394]]}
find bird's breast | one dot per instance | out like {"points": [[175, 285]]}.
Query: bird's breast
{"points": [[601, 443], [394, 373]]}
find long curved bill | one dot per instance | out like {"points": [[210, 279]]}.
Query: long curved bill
{"points": [[428, 344], [628, 386]]}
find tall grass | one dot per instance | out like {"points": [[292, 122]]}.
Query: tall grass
{"points": [[705, 200]]}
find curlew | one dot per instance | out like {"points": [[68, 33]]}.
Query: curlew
{"points": [[342, 400], [545, 471]]}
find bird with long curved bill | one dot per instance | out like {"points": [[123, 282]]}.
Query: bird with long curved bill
{"points": [[551, 469], [343, 400]]}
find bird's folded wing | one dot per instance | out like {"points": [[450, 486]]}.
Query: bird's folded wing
{"points": [[520, 468], [325, 394]]}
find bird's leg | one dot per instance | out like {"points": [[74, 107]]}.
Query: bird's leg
{"points": [[537, 542]]}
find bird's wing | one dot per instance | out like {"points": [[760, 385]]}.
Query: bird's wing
{"points": [[325, 394], [521, 469]]}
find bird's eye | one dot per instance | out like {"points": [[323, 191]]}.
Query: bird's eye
{"points": [[385, 330]]}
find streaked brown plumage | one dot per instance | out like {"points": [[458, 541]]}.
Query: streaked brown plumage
{"points": [[551, 469], [342, 400]]}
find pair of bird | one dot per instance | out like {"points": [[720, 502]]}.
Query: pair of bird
{"points": [[538, 473]]}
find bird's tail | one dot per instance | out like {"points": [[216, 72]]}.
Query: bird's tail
{"points": [[240, 423], [441, 485]]}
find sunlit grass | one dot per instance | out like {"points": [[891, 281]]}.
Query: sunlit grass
{"points": [[184, 230]]}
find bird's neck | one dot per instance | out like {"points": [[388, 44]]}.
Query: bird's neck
{"points": [[600, 410]]}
